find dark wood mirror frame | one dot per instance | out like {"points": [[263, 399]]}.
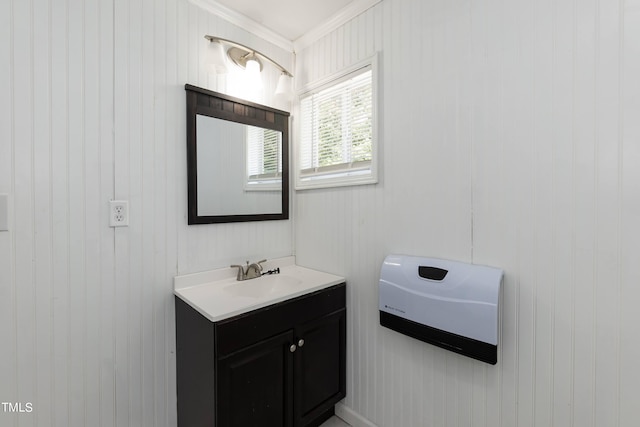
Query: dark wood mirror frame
{"points": [[217, 105]]}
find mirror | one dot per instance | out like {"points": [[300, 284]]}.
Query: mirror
{"points": [[237, 159], [239, 165]]}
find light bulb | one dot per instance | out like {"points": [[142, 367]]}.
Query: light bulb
{"points": [[253, 67], [253, 77]]}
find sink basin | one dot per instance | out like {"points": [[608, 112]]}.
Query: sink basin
{"points": [[217, 295], [264, 286]]}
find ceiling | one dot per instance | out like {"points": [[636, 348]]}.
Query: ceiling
{"points": [[289, 18]]}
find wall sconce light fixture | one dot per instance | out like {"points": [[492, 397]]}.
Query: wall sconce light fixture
{"points": [[246, 58]]}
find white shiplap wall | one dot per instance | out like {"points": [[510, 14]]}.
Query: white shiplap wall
{"points": [[91, 109], [510, 137]]}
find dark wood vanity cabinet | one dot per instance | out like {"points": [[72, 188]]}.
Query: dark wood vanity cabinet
{"points": [[282, 365], [255, 384], [319, 367]]}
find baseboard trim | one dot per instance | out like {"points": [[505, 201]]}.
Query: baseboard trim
{"points": [[351, 417]]}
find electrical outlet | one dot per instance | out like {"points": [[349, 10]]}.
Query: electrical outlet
{"points": [[118, 213]]}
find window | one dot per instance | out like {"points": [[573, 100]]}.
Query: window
{"points": [[337, 139], [264, 166]]}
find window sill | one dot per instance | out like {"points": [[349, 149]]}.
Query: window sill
{"points": [[310, 184]]}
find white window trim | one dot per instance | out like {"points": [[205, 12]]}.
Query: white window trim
{"points": [[346, 179]]}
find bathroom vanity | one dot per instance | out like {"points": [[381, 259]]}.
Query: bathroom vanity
{"points": [[263, 352]]}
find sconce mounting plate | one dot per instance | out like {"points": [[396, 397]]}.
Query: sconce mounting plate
{"points": [[240, 57]]}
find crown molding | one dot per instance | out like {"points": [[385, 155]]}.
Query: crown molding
{"points": [[345, 15], [244, 22]]}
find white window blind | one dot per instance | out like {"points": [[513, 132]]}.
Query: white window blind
{"points": [[336, 144], [264, 167]]}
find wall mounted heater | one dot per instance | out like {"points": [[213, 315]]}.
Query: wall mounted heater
{"points": [[450, 304]]}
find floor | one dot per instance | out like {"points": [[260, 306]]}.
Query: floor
{"points": [[334, 422]]}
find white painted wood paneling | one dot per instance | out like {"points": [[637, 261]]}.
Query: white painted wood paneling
{"points": [[93, 109], [628, 210], [510, 131], [8, 377]]}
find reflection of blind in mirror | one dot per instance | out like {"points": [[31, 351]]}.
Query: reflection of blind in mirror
{"points": [[264, 148]]}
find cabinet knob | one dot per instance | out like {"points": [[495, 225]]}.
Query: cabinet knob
{"points": [[300, 343], [292, 348]]}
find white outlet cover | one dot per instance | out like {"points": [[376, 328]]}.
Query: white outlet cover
{"points": [[4, 212], [118, 213]]}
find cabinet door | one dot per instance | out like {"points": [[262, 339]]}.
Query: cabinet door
{"points": [[319, 366], [255, 385]]}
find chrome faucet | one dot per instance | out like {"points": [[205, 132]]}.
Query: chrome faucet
{"points": [[249, 271]]}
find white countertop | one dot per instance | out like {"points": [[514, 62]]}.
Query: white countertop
{"points": [[217, 295]]}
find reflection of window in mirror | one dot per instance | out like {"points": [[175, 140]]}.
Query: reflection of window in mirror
{"points": [[263, 159]]}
